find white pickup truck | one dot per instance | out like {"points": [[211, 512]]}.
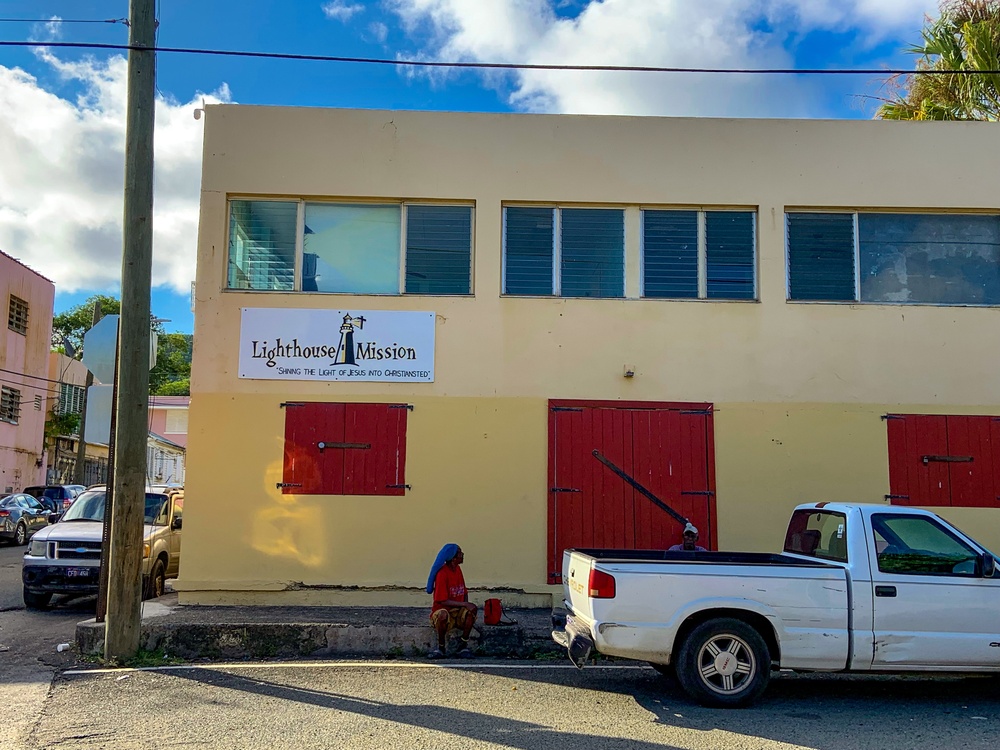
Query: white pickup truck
{"points": [[858, 588]]}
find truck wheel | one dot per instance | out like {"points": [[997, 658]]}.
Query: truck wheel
{"points": [[21, 535], [36, 601], [725, 663], [157, 580]]}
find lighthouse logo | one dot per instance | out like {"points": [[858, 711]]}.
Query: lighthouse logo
{"points": [[346, 352]]}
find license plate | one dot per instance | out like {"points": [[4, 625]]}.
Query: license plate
{"points": [[78, 572]]}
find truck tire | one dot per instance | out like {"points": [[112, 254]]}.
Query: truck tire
{"points": [[157, 580], [725, 663], [36, 601]]}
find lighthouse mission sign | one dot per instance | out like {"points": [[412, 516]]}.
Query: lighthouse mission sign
{"points": [[362, 345]]}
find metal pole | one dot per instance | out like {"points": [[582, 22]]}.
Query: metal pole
{"points": [[80, 470], [122, 627]]}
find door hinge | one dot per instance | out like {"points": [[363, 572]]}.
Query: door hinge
{"points": [[283, 485], [565, 408], [564, 489], [398, 487], [700, 412], [408, 407], [697, 492], [283, 404], [897, 497], [947, 459], [892, 416], [360, 446]]}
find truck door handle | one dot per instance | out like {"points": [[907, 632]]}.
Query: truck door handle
{"points": [[885, 591]]}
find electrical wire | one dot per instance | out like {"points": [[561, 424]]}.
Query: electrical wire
{"points": [[33, 377], [497, 66], [64, 20]]}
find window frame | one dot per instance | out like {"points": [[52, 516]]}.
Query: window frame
{"points": [[300, 219], [701, 213], [17, 314], [557, 224], [855, 212], [13, 408]]}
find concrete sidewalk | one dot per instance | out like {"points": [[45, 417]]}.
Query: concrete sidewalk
{"points": [[197, 632]]}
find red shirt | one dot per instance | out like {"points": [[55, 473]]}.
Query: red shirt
{"points": [[449, 584]]}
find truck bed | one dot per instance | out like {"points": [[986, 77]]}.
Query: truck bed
{"points": [[709, 558]]}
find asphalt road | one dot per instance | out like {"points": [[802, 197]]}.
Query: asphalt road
{"points": [[415, 705]]}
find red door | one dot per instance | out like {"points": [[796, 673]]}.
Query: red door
{"points": [[667, 448]]}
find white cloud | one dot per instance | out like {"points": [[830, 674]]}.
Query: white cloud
{"points": [[61, 185], [379, 30], [658, 33], [341, 10]]}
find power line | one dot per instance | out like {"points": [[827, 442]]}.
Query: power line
{"points": [[499, 66], [64, 20]]}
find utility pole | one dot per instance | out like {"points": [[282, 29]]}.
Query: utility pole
{"points": [[80, 470], [124, 619]]}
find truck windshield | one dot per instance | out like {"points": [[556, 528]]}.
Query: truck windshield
{"points": [[89, 506], [818, 533]]}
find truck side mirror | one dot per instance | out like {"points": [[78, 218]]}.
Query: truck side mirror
{"points": [[988, 565], [176, 525], [54, 517]]}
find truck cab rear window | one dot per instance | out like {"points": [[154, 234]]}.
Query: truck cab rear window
{"points": [[818, 533]]}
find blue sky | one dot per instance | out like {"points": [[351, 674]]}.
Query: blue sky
{"points": [[62, 111]]}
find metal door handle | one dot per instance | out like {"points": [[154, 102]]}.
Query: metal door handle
{"points": [[888, 591]]}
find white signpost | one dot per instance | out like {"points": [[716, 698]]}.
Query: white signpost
{"points": [[387, 346]]}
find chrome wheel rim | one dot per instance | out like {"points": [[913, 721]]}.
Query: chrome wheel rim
{"points": [[726, 664], [21, 535]]}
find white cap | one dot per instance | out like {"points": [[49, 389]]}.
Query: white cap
{"points": [[690, 528]]}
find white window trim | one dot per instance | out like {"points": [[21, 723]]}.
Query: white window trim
{"points": [[300, 243]]}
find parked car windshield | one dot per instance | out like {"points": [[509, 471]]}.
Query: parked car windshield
{"points": [[89, 506]]}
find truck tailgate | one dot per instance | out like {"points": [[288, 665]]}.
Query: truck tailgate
{"points": [[576, 583]]}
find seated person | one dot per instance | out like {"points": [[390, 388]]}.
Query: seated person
{"points": [[451, 609], [690, 542]]}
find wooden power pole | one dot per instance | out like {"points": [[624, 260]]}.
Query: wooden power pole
{"points": [[122, 626]]}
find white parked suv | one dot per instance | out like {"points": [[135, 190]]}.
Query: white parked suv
{"points": [[65, 557]]}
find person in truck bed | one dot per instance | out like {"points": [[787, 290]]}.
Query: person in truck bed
{"points": [[690, 542], [451, 609]]}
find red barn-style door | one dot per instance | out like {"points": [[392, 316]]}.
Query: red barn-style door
{"points": [[667, 448]]}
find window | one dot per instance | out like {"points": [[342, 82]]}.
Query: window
{"points": [[916, 545], [10, 404], [944, 460], [70, 399], [944, 259], [344, 449], [821, 534], [17, 315], [564, 252], [177, 422], [350, 248], [698, 254]]}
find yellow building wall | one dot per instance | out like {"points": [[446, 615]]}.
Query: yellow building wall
{"points": [[799, 388]]}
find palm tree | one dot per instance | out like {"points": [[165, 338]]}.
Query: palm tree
{"points": [[966, 37]]}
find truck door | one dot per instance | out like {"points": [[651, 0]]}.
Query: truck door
{"points": [[932, 607], [666, 447]]}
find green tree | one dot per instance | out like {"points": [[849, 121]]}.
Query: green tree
{"points": [[965, 37], [70, 326], [173, 350], [171, 376]]}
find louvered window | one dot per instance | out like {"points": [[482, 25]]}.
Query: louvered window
{"points": [[821, 256], [917, 258], [568, 252], [699, 254], [70, 398], [438, 249], [17, 315], [262, 245], [10, 404]]}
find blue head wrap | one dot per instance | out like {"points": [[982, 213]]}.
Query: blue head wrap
{"points": [[445, 556]]}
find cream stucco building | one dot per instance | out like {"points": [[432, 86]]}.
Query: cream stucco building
{"points": [[416, 328]]}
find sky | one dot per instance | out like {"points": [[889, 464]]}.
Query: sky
{"points": [[62, 111]]}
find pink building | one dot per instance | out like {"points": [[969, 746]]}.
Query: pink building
{"points": [[168, 416], [24, 367]]}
